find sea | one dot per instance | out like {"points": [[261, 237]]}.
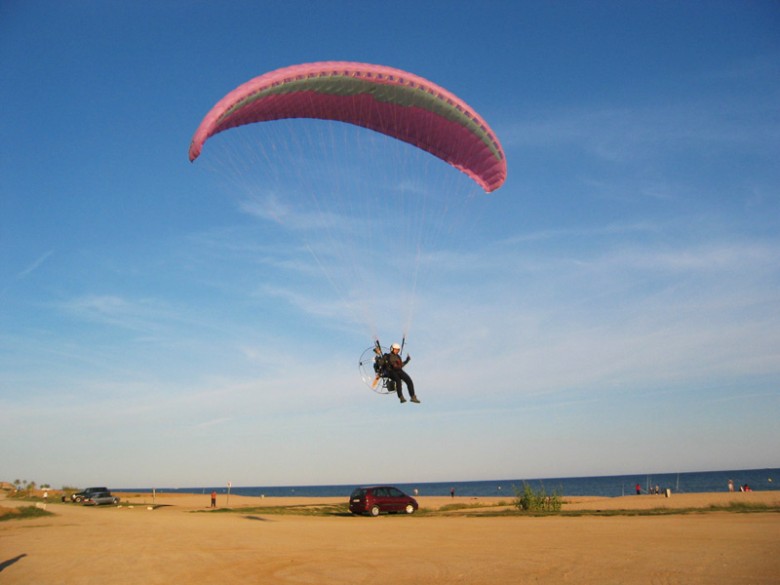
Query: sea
{"points": [[607, 485]]}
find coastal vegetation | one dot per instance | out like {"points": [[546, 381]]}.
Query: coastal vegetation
{"points": [[22, 488], [531, 500], [22, 513]]}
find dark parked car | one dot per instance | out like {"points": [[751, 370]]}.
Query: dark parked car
{"points": [[81, 496], [376, 499], [100, 498]]}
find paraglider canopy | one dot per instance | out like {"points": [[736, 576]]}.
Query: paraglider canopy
{"points": [[387, 100]]}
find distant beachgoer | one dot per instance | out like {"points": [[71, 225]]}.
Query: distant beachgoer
{"points": [[731, 485], [214, 499], [638, 489], [452, 492]]}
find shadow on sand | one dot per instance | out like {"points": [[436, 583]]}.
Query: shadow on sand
{"points": [[5, 564], [259, 518]]}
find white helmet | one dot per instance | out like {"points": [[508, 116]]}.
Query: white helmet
{"points": [[395, 346]]}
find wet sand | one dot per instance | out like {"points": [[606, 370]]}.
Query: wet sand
{"points": [[172, 543]]}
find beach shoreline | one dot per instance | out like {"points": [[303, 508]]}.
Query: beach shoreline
{"points": [[195, 501]]}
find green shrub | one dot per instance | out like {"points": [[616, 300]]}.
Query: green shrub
{"points": [[530, 500]]}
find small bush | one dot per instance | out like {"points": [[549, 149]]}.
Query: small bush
{"points": [[530, 500]]}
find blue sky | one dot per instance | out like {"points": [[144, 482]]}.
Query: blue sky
{"points": [[614, 308]]}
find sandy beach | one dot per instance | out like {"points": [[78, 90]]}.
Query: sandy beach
{"points": [[178, 541]]}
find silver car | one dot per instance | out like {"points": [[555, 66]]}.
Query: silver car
{"points": [[100, 498]]}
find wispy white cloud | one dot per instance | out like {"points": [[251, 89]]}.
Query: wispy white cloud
{"points": [[719, 257], [612, 229], [630, 153], [134, 314], [27, 271], [640, 315], [35, 265], [631, 134], [271, 207], [213, 422]]}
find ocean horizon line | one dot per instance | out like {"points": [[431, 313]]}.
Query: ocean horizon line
{"points": [[602, 485]]}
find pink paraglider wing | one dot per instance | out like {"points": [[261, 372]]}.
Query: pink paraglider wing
{"points": [[387, 100]]}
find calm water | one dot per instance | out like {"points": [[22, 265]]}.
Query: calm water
{"points": [[611, 485]]}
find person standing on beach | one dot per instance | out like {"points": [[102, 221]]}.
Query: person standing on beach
{"points": [[638, 489], [214, 499]]}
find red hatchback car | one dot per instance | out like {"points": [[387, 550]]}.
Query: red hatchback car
{"points": [[377, 499]]}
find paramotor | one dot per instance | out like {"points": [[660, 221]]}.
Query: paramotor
{"points": [[371, 370]]}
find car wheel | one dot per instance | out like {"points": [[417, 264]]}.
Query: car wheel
{"points": [[375, 510], [77, 500], [409, 509]]}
